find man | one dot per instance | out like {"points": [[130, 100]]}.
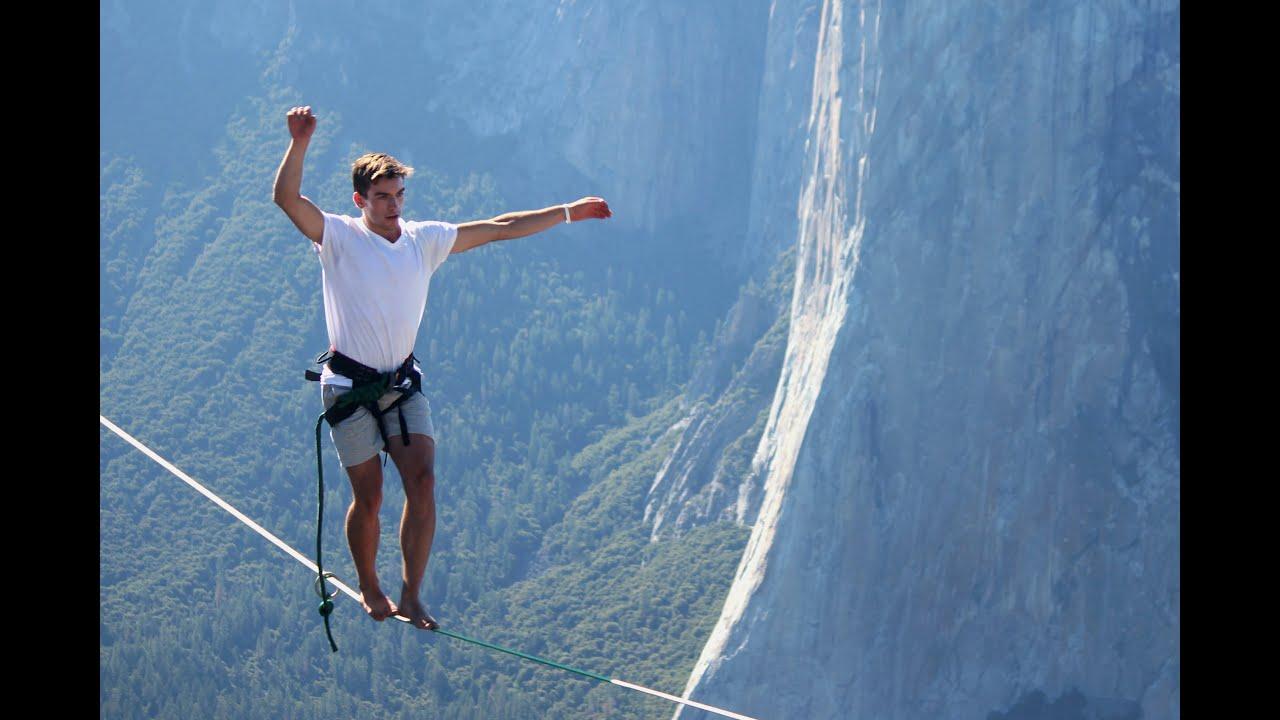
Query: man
{"points": [[376, 269]]}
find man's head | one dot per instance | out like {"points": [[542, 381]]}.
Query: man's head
{"points": [[378, 180]]}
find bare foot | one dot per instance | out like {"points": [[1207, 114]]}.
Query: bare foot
{"points": [[413, 610], [377, 604]]}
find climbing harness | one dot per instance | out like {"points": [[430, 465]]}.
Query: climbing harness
{"points": [[345, 589], [367, 388]]}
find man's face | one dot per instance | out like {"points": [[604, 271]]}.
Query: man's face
{"points": [[385, 201]]}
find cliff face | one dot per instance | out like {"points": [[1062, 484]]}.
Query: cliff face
{"points": [[645, 100], [971, 463], [731, 392]]}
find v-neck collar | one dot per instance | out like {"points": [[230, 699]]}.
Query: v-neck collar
{"points": [[371, 231]]}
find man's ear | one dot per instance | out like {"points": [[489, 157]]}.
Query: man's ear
{"points": [[357, 199]]}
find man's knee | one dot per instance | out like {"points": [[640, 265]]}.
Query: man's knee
{"points": [[424, 478], [366, 494], [420, 486], [368, 502]]}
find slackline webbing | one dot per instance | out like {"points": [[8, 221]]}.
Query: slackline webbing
{"points": [[356, 596]]}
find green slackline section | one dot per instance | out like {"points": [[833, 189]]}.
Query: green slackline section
{"points": [[517, 653], [345, 589]]}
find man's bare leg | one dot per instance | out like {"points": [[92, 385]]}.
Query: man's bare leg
{"points": [[362, 536], [416, 463]]}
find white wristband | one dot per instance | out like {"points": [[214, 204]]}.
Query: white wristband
{"points": [[567, 219]]}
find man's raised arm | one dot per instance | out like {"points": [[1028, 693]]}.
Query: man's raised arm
{"points": [[510, 226], [287, 191]]}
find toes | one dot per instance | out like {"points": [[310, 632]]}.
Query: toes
{"points": [[381, 613]]}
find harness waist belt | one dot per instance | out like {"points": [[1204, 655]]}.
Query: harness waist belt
{"points": [[367, 387]]}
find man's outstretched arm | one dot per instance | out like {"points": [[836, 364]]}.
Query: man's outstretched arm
{"points": [[287, 191], [510, 226]]}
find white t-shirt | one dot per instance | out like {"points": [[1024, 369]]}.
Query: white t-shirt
{"points": [[375, 291]]}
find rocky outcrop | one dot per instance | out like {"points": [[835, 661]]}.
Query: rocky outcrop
{"points": [[706, 478]]}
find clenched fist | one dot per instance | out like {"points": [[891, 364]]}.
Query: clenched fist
{"points": [[588, 208], [301, 123]]}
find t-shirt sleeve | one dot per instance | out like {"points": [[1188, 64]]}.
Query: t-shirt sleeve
{"points": [[335, 231], [437, 240]]}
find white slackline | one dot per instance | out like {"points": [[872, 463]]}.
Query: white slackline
{"points": [[682, 701]]}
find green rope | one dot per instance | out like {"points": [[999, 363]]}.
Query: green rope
{"points": [[326, 599], [534, 658], [356, 396]]}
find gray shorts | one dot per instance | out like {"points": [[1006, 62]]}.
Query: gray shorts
{"points": [[357, 437]]}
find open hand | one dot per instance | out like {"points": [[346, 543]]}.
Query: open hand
{"points": [[589, 207], [301, 123]]}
